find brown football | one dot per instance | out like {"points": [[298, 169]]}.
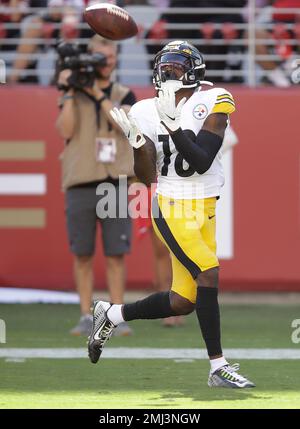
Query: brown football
{"points": [[110, 21]]}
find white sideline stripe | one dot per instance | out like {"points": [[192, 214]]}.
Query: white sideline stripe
{"points": [[25, 296], [23, 184], [149, 353]]}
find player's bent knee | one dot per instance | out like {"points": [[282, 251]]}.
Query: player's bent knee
{"points": [[208, 278], [181, 305]]}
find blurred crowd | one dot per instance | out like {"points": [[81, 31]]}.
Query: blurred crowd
{"points": [[31, 27]]}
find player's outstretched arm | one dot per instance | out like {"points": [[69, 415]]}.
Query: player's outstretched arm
{"points": [[143, 148], [145, 162]]}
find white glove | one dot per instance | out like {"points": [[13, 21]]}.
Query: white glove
{"points": [[129, 127], [168, 112]]}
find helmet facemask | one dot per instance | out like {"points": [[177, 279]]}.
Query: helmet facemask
{"points": [[181, 69]]}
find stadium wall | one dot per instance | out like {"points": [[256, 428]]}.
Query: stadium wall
{"points": [[266, 236]]}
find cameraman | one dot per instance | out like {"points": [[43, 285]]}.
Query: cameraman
{"points": [[95, 152]]}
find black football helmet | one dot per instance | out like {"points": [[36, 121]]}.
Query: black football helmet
{"points": [[180, 61]]}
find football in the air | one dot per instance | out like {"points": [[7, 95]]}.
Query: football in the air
{"points": [[110, 21]]}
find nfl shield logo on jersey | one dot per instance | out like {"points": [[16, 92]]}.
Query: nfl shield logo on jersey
{"points": [[200, 111]]}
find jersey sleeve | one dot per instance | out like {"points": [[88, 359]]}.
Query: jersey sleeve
{"points": [[224, 102]]}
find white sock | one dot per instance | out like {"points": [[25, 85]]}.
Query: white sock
{"points": [[114, 314], [215, 364]]}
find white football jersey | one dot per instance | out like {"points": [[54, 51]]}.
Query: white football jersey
{"points": [[175, 177]]}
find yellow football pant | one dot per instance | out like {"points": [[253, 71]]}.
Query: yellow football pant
{"points": [[187, 228]]}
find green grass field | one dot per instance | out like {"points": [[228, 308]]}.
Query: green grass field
{"points": [[146, 383]]}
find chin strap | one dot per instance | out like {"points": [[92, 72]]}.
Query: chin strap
{"points": [[176, 85]]}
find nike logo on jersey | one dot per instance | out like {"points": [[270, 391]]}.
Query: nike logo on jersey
{"points": [[210, 217]]}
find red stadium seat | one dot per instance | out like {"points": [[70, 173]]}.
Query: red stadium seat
{"points": [[281, 34], [3, 31], [207, 29], [229, 31], [158, 30]]}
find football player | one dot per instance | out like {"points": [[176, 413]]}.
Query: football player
{"points": [[178, 135]]}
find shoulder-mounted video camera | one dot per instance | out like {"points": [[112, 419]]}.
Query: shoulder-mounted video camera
{"points": [[84, 66]]}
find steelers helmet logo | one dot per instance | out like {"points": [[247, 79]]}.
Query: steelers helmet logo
{"points": [[200, 111]]}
